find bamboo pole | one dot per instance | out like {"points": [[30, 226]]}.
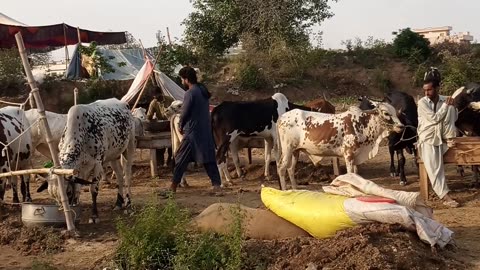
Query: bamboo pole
{"points": [[66, 48], [43, 121], [79, 36], [37, 171], [75, 96], [168, 36]]}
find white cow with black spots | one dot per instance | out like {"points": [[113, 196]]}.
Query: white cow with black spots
{"points": [[97, 134], [15, 150]]}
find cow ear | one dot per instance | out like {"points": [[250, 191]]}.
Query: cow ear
{"points": [[80, 181], [43, 186]]}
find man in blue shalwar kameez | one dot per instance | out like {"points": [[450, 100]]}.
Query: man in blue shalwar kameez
{"points": [[197, 144]]}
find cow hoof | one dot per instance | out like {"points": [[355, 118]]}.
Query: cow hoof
{"points": [[268, 178], [393, 174], [184, 185], [403, 183], [117, 207], [93, 220], [28, 200]]}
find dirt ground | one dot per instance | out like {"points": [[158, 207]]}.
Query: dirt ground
{"points": [[372, 247]]}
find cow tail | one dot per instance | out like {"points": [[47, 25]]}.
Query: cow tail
{"points": [[212, 124]]}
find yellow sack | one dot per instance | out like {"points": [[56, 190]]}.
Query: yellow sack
{"points": [[318, 213]]}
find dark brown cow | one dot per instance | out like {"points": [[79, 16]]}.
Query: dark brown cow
{"points": [[321, 105]]}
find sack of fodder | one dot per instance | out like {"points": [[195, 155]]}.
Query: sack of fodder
{"points": [[256, 223]]}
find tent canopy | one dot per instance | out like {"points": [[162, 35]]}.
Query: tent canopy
{"points": [[57, 35]]}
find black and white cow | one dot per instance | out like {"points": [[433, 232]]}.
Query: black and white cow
{"points": [[397, 142], [97, 134], [467, 103], [231, 120], [15, 150], [173, 115]]}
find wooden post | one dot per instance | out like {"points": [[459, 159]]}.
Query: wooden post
{"points": [[336, 166], [423, 181], [79, 36], [168, 36], [31, 100], [153, 162], [75, 96], [43, 121], [66, 49]]}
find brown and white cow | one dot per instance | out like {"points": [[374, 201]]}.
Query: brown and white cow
{"points": [[354, 135]]}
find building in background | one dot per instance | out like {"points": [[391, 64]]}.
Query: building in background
{"points": [[441, 34]]}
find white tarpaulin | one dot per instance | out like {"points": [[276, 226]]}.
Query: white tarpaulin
{"points": [[168, 86], [409, 210]]}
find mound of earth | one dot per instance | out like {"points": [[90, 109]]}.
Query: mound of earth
{"points": [[374, 246], [29, 241]]}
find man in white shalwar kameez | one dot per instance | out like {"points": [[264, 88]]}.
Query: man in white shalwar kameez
{"points": [[436, 128]]}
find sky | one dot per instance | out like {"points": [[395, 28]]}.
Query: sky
{"points": [[353, 18]]}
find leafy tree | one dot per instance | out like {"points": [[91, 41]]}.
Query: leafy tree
{"points": [[172, 55], [11, 69], [217, 25], [100, 63], [412, 46]]}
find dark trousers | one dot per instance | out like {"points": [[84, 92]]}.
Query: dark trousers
{"points": [[184, 156], [161, 156]]}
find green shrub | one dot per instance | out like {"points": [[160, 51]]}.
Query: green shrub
{"points": [[149, 243], [251, 77], [159, 238], [11, 69]]}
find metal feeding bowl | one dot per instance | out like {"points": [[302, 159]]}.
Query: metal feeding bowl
{"points": [[46, 215]]}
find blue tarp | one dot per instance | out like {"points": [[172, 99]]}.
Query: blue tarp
{"points": [[74, 71], [126, 62]]}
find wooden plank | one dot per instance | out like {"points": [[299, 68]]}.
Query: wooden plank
{"points": [[423, 182], [154, 144], [153, 162]]}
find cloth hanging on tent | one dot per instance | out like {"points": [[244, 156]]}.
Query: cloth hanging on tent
{"points": [[74, 71], [139, 81]]}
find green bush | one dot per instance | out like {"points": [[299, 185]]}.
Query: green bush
{"points": [[159, 238], [149, 243], [11, 69], [96, 89], [251, 77], [457, 70]]}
